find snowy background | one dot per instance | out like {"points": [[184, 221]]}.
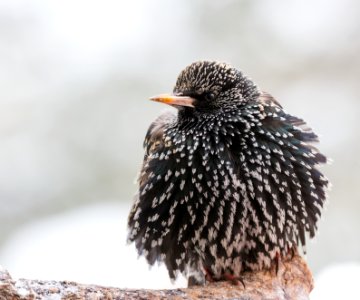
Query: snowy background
{"points": [[75, 77]]}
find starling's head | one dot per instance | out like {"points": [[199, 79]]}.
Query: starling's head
{"points": [[207, 86]]}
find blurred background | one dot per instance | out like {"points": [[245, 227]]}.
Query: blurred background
{"points": [[75, 77]]}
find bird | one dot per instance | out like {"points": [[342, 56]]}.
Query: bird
{"points": [[230, 181]]}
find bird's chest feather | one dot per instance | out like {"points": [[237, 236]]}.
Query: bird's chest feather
{"points": [[192, 166], [200, 160], [192, 191]]}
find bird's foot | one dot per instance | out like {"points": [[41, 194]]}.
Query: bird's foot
{"points": [[235, 280], [291, 252], [208, 276], [277, 262]]}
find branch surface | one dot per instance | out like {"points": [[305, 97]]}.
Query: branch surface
{"points": [[293, 281]]}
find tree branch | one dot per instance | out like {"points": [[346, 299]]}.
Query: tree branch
{"points": [[292, 281]]}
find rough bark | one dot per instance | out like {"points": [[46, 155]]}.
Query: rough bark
{"points": [[292, 281]]}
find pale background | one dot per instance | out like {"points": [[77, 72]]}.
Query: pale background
{"points": [[75, 77]]}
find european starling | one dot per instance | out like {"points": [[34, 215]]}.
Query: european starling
{"points": [[229, 180]]}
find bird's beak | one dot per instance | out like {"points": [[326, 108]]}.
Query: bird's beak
{"points": [[174, 100]]}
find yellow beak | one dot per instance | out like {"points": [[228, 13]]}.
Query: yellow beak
{"points": [[174, 100]]}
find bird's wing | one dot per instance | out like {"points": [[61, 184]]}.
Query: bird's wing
{"points": [[279, 165], [153, 212], [154, 140]]}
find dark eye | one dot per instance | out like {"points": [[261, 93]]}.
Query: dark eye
{"points": [[210, 96]]}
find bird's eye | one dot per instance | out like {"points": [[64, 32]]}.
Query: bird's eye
{"points": [[210, 96]]}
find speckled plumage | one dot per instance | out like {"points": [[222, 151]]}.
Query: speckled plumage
{"points": [[228, 185]]}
